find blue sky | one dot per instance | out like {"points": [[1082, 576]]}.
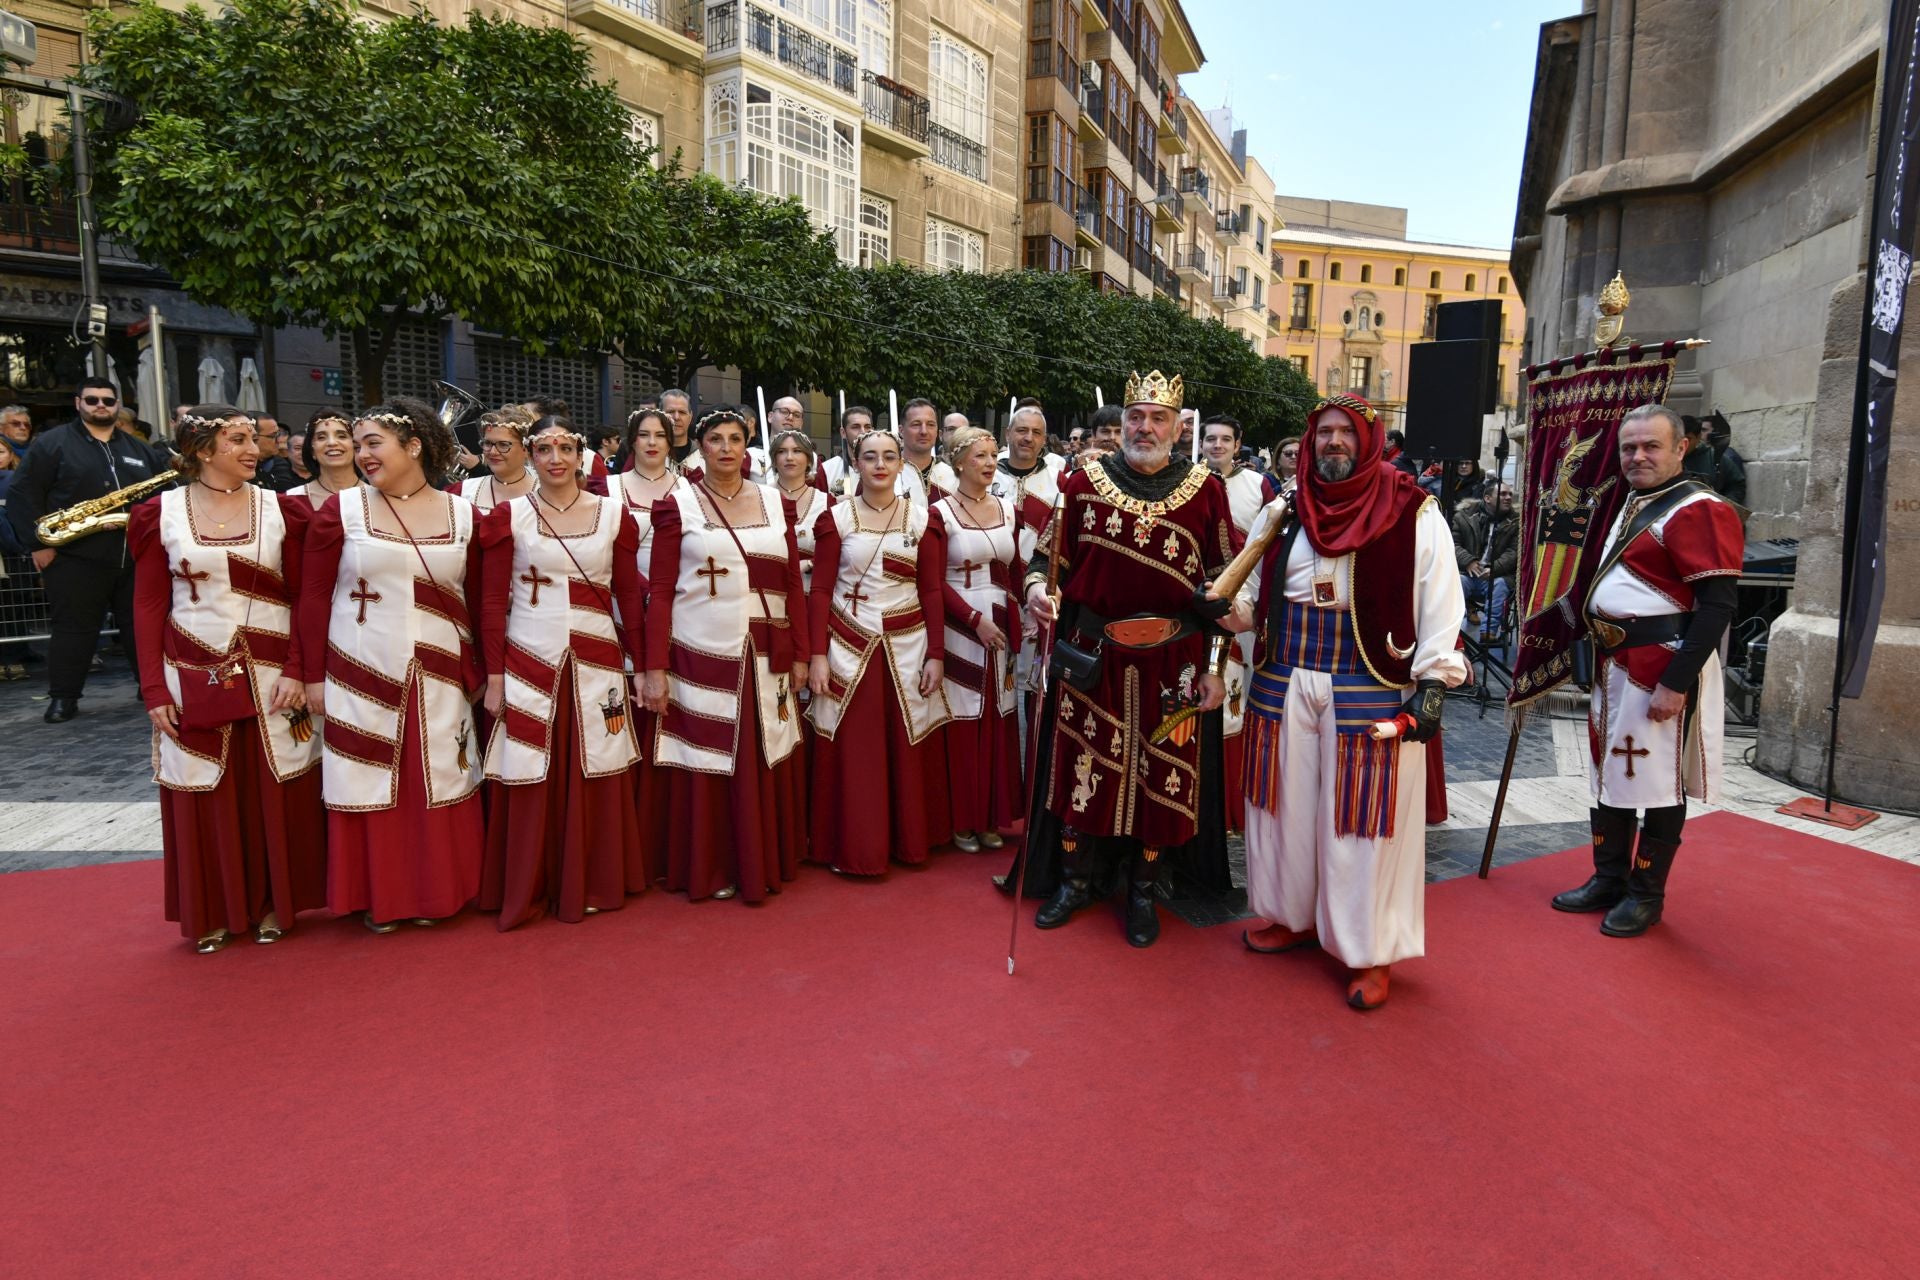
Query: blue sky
{"points": [[1416, 103]]}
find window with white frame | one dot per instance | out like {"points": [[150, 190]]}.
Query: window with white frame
{"points": [[876, 36], [792, 148], [957, 83], [644, 130], [951, 247], [876, 230], [835, 17]]}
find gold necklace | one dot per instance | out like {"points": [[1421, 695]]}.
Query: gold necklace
{"points": [[220, 524], [577, 495]]}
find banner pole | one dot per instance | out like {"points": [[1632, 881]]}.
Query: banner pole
{"points": [[1500, 800]]}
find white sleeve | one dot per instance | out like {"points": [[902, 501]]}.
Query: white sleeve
{"points": [[1438, 603]]}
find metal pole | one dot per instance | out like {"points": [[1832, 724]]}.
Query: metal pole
{"points": [[1500, 801], [89, 250]]}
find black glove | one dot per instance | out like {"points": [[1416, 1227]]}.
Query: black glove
{"points": [[1211, 610], [1429, 696]]}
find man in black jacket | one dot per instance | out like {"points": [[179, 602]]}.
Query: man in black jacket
{"points": [[1486, 543], [69, 464]]}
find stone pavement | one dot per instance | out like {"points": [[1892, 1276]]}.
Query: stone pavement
{"points": [[82, 793]]}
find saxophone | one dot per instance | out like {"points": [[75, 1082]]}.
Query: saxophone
{"points": [[96, 515]]}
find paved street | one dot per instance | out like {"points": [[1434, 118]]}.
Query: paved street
{"points": [[82, 793]]}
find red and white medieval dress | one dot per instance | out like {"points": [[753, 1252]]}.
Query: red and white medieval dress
{"points": [[386, 621], [649, 781], [563, 829], [983, 739], [1247, 491], [1649, 570], [242, 827], [485, 493], [879, 781], [726, 620]]}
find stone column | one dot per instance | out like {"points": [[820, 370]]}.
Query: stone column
{"points": [[1878, 759]]}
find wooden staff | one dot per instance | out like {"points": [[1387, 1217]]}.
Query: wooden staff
{"points": [[1043, 656], [1241, 567]]}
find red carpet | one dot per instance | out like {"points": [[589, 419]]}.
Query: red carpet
{"points": [[845, 1082]]}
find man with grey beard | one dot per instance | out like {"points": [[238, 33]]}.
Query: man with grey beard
{"points": [[1357, 608], [1137, 658]]}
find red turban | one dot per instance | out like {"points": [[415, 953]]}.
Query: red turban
{"points": [[1341, 516]]}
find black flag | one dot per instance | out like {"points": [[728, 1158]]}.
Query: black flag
{"points": [[1890, 266]]}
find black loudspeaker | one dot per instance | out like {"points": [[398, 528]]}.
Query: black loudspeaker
{"points": [[1446, 385], [1461, 321]]}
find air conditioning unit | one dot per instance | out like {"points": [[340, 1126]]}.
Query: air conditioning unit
{"points": [[1082, 258]]}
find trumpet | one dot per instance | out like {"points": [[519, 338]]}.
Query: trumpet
{"points": [[97, 515]]}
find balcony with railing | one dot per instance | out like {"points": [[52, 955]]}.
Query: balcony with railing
{"points": [[669, 29], [1195, 183], [1086, 221], [1228, 223], [957, 152], [1173, 123], [739, 26], [1273, 320], [1164, 278], [1299, 321], [1169, 206], [1093, 111], [896, 116], [1192, 260]]}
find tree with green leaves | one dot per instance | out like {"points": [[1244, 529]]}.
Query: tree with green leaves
{"points": [[741, 281], [299, 166]]}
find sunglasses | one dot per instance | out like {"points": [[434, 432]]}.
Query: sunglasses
{"points": [[105, 400]]}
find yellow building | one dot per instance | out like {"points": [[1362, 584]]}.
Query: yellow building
{"points": [[1351, 294]]}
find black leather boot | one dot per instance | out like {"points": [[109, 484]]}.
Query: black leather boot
{"points": [[60, 710], [1142, 916], [1646, 890], [1074, 891], [1613, 831]]}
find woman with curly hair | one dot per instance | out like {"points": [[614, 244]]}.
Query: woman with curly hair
{"points": [[234, 751], [387, 654]]}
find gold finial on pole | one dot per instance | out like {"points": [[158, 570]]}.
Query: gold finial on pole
{"points": [[1609, 317]]}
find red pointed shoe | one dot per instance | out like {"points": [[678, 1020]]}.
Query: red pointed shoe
{"points": [[1368, 990], [1276, 938]]}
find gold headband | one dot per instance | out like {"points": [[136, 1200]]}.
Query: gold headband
{"points": [[1351, 403]]}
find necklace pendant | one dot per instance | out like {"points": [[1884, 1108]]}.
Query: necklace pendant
{"points": [[1323, 590]]}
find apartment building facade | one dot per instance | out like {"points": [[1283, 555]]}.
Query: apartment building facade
{"points": [[1351, 294]]}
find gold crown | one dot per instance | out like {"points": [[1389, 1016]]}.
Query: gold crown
{"points": [[1156, 389], [1614, 298]]}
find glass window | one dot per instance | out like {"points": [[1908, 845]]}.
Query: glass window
{"points": [[1473, 282], [951, 247], [1360, 374], [1399, 277], [876, 230], [796, 149], [1433, 280], [1501, 286], [1302, 306], [1366, 273], [1333, 272], [876, 36], [1299, 363], [957, 83], [1305, 269]]}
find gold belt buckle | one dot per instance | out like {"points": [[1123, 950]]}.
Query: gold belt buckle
{"points": [[1609, 635], [1142, 633]]}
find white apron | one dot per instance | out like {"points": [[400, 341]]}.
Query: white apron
{"points": [[980, 567]]}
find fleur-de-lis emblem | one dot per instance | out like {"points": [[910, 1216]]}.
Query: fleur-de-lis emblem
{"points": [[1172, 547], [1143, 530], [1086, 519], [1115, 524]]}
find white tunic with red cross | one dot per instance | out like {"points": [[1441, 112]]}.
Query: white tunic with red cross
{"points": [[1637, 762]]}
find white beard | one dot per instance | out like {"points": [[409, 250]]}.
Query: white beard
{"points": [[1147, 458]]}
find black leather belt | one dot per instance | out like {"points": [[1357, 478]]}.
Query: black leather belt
{"points": [[1611, 634]]}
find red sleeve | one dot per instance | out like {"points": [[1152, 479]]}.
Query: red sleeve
{"points": [[796, 588], [665, 580], [630, 590], [931, 569], [494, 536], [826, 573], [319, 568], [152, 599], [296, 514], [820, 476], [954, 606], [1705, 540]]}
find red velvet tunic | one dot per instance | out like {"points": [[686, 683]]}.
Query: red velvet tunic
{"points": [[1124, 557], [983, 754], [569, 842], [253, 843], [749, 828], [877, 796], [410, 860]]}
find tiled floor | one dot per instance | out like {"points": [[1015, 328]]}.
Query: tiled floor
{"points": [[81, 792]]}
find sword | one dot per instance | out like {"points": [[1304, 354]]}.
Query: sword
{"points": [[1043, 659]]}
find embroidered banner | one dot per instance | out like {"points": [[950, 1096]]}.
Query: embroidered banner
{"points": [[1571, 490]]}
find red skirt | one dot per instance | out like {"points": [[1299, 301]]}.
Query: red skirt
{"points": [[408, 861], [747, 829], [983, 772], [251, 845], [652, 793], [877, 796], [565, 843]]}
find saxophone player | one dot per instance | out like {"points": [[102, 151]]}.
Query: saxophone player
{"points": [[83, 459]]}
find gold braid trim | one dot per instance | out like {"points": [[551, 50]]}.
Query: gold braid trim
{"points": [[1110, 492]]}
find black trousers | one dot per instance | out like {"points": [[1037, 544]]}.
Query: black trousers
{"points": [[79, 594]]}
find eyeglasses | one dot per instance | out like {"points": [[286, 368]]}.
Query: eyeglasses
{"points": [[109, 401], [496, 446]]}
